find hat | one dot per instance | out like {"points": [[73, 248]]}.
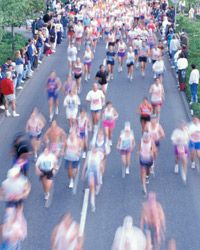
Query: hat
{"points": [[13, 172]]}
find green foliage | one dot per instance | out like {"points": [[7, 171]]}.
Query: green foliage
{"points": [[14, 12], [192, 28], [6, 46], [35, 6]]}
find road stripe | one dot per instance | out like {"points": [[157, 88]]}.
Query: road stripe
{"points": [[84, 212]]}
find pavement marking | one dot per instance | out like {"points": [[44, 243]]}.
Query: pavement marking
{"points": [[84, 212]]}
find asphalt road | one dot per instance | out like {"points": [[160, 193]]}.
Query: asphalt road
{"points": [[118, 197]]}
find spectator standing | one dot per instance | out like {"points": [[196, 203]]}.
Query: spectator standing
{"points": [[194, 82], [173, 48], [182, 64], [19, 69], [7, 89]]}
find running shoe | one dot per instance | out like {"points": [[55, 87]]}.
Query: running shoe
{"points": [[127, 170], [71, 183], [176, 169]]}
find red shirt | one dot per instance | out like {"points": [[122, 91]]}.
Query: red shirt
{"points": [[7, 86]]}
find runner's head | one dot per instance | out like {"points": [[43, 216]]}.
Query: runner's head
{"points": [[128, 223], [95, 87], [102, 68]]}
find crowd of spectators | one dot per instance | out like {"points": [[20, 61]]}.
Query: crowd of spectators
{"points": [[47, 32]]}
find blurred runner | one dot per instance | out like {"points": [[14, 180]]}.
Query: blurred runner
{"points": [[71, 103], [78, 71], [102, 78], [157, 96], [87, 58], [15, 189], [194, 143], [14, 229], [153, 220], [72, 154], [109, 117], [130, 61], [126, 144], [180, 140], [91, 170], [129, 237], [34, 127], [65, 235], [84, 125], [54, 139], [53, 87], [147, 151]]}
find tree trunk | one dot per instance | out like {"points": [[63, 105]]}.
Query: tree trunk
{"points": [[13, 38]]}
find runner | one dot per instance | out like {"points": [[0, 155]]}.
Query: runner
{"points": [[159, 69], [91, 170], [46, 167], [69, 85], [145, 111], [54, 139], [53, 87], [110, 61], [147, 151], [15, 189], [66, 235], [21, 151], [102, 78], [180, 140], [143, 55], [96, 99], [87, 57], [126, 144], [71, 56], [153, 220], [157, 96], [34, 127], [78, 71], [157, 133], [109, 117], [72, 154], [103, 147], [194, 143], [71, 103], [78, 30], [121, 53], [130, 61], [129, 236], [13, 230], [84, 125]]}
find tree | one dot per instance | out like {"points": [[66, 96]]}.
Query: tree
{"points": [[35, 6], [1, 25], [14, 14]]}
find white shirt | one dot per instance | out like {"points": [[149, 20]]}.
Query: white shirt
{"points": [[72, 102], [46, 162], [14, 187], [182, 63], [194, 76], [96, 99]]}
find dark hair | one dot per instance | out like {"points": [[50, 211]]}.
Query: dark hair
{"points": [[193, 66], [9, 59], [101, 66]]}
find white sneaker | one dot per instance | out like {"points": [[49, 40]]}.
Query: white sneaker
{"points": [[39, 61], [22, 81], [46, 196], [127, 170], [50, 117], [71, 183], [15, 114], [20, 87], [8, 113], [110, 142], [84, 155], [193, 165], [191, 103], [2, 107], [89, 77], [56, 111], [176, 168], [184, 177]]}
